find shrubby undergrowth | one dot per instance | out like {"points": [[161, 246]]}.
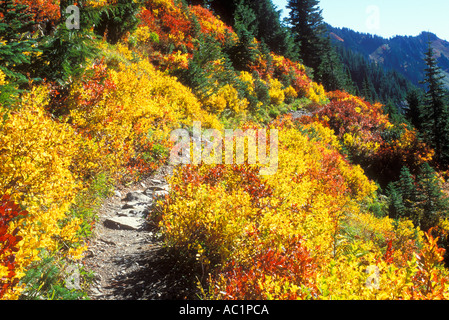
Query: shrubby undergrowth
{"points": [[320, 228]]}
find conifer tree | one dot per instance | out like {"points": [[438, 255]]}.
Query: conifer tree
{"points": [[404, 197], [225, 9], [435, 115], [421, 200], [243, 53], [396, 204], [331, 72], [413, 110], [266, 28], [432, 199], [67, 50], [15, 52], [271, 30], [118, 19], [308, 28], [316, 50]]}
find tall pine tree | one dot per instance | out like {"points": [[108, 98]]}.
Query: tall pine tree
{"points": [[432, 199], [435, 115], [307, 25], [316, 50], [16, 50], [413, 109], [15, 23]]}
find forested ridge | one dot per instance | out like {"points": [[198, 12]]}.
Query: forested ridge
{"points": [[90, 92]]}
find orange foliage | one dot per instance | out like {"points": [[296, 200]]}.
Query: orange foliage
{"points": [[8, 244], [43, 10]]}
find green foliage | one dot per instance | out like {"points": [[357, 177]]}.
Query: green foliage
{"points": [[272, 31], [46, 281], [308, 28], [316, 50], [201, 75], [117, 20], [17, 48], [419, 199], [433, 201], [331, 72], [88, 202], [371, 80], [435, 112], [413, 110], [65, 55]]}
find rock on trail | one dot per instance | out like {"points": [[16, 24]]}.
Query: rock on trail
{"points": [[126, 255]]}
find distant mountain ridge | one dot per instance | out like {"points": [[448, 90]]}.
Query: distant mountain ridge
{"points": [[403, 54]]}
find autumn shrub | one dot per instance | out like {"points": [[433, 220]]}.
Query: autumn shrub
{"points": [[37, 156], [214, 211], [369, 138], [273, 273], [9, 211], [112, 110], [43, 11]]}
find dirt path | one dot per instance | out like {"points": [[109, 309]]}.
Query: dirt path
{"points": [[126, 255]]}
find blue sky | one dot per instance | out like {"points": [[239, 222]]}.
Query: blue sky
{"points": [[386, 18]]}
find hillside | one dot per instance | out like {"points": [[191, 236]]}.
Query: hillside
{"points": [[403, 54], [351, 208]]}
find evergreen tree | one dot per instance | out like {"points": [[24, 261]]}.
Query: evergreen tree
{"points": [[421, 200], [409, 193], [371, 80], [271, 30], [266, 28], [403, 197], [413, 109], [331, 72], [435, 115], [15, 52], [395, 203], [243, 53], [118, 19], [225, 9], [307, 25], [316, 50], [66, 51], [199, 76], [432, 199]]}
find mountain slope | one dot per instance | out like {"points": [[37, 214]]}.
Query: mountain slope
{"points": [[314, 229], [403, 54]]}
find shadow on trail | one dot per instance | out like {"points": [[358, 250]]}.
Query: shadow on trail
{"points": [[153, 274]]}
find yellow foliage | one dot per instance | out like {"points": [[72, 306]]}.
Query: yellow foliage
{"points": [[276, 92], [142, 33], [142, 98], [37, 155], [304, 202], [290, 93], [2, 78], [316, 93], [247, 78], [227, 97]]}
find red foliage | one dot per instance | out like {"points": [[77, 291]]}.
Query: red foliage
{"points": [[43, 10], [173, 27], [369, 126], [248, 178], [8, 241], [291, 265], [213, 27], [149, 155], [388, 256], [430, 284], [95, 83]]}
